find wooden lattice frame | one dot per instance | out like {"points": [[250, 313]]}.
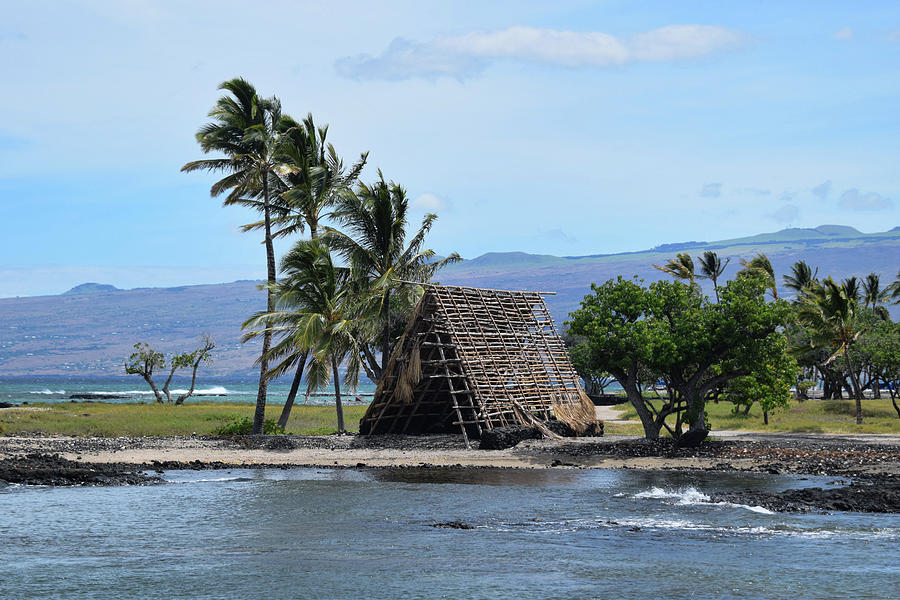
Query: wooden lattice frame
{"points": [[478, 359]]}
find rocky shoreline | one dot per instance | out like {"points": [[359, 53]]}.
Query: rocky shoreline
{"points": [[874, 467]]}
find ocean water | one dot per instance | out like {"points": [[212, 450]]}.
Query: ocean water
{"points": [[120, 389], [321, 533]]}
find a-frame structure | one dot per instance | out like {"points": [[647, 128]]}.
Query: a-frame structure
{"points": [[477, 359]]}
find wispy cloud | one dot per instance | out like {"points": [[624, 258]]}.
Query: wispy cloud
{"points": [[853, 199], [467, 55], [822, 190], [711, 190], [786, 214], [755, 191], [844, 33], [893, 36]]}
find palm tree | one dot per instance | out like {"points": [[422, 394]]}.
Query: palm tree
{"points": [[374, 219], [801, 277], [315, 314], [244, 128], [830, 312], [762, 265], [872, 291], [307, 182], [680, 267], [894, 290], [712, 267]]}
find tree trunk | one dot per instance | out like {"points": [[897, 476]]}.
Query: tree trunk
{"points": [[651, 429], [386, 335], [894, 401], [259, 416], [155, 390], [765, 417], [165, 389], [857, 392], [289, 403], [337, 396], [180, 400]]}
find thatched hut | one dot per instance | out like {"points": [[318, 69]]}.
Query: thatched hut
{"points": [[477, 359]]}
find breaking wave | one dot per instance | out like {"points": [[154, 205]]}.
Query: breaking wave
{"points": [[692, 496]]}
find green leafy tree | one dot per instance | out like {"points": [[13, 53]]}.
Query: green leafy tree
{"points": [[144, 361], [668, 330], [372, 239], [879, 347], [245, 128]]}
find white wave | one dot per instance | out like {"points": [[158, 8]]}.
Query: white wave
{"points": [[212, 391], [692, 496], [215, 390], [47, 392], [689, 495]]}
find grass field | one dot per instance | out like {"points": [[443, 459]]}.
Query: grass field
{"points": [[203, 418], [136, 419], [811, 416]]}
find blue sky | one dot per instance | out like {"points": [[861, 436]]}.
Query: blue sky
{"points": [[561, 128]]}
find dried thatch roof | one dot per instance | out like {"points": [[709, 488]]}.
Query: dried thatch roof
{"points": [[477, 359]]}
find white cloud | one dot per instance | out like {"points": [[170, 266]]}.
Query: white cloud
{"points": [[853, 199], [822, 190], [428, 202], [711, 190], [843, 34], [468, 54]]}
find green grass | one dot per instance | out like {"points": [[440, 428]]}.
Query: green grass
{"points": [[139, 419], [811, 416]]}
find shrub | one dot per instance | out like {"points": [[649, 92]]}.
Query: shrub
{"points": [[244, 426]]}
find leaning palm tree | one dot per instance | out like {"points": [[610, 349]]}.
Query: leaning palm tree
{"points": [[315, 314], [373, 241], [872, 291], [244, 128], [308, 180], [801, 278], [893, 290], [680, 267], [762, 265], [830, 313], [712, 267]]}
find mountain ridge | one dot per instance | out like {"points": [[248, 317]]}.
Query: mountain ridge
{"points": [[92, 333]]}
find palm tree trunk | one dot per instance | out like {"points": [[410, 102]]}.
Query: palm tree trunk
{"points": [[259, 416], [857, 393], [337, 396], [292, 394], [386, 336]]}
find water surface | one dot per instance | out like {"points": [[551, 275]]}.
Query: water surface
{"points": [[321, 533]]}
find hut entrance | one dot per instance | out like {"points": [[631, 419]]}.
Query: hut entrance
{"points": [[473, 359]]}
